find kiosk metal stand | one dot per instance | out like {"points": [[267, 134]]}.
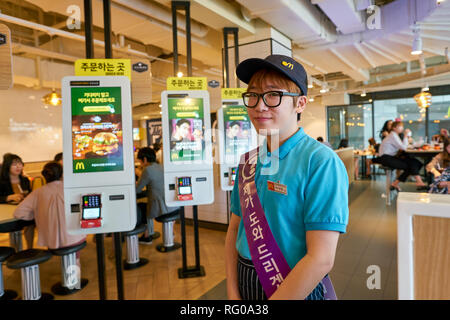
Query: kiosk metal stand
{"points": [[98, 237], [197, 270], [226, 79]]}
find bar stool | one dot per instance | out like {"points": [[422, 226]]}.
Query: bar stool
{"points": [[5, 253], [133, 261], [28, 262], [168, 220], [70, 271]]}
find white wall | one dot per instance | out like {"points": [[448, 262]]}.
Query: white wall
{"points": [[28, 127], [314, 120]]}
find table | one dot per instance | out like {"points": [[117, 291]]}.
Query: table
{"points": [[11, 225], [363, 155]]}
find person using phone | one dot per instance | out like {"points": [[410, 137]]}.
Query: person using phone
{"points": [[14, 185]]}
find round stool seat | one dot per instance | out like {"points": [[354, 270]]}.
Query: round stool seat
{"points": [[5, 253], [171, 216], [68, 250], [139, 229], [27, 258]]}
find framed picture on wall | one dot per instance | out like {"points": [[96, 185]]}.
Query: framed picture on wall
{"points": [[154, 132]]}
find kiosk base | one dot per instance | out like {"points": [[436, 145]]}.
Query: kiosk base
{"points": [[191, 272], [131, 266], [60, 290]]}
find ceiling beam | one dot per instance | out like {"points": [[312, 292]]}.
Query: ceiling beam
{"points": [[359, 74], [409, 44], [386, 48], [387, 56], [362, 51]]}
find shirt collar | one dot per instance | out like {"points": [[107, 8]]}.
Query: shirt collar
{"points": [[282, 151]]}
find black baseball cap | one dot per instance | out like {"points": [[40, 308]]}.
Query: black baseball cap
{"points": [[283, 64]]}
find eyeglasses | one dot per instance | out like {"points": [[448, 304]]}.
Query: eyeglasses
{"points": [[272, 99], [17, 164]]}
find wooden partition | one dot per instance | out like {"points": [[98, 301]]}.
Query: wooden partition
{"points": [[431, 257], [423, 246], [347, 157]]}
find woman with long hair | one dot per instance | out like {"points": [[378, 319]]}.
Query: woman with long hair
{"points": [[387, 127], [441, 161], [14, 186]]}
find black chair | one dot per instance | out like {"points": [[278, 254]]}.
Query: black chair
{"points": [[133, 260], [168, 220], [70, 271], [5, 253], [28, 262], [142, 218]]}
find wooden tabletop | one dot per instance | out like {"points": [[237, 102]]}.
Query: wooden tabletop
{"points": [[7, 221]]}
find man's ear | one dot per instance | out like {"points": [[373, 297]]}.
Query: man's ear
{"points": [[301, 104]]}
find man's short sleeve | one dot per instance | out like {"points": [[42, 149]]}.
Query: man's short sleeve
{"points": [[235, 201], [326, 195]]}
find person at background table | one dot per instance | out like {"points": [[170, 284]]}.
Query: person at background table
{"points": [[373, 148], [442, 136], [343, 144], [59, 158], [46, 206], [152, 177], [441, 161], [320, 139], [442, 183], [387, 127], [14, 185], [392, 155]]}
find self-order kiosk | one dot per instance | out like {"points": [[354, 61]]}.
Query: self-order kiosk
{"points": [[236, 137], [99, 181], [188, 163]]}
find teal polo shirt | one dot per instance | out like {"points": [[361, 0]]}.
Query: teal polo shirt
{"points": [[317, 194]]}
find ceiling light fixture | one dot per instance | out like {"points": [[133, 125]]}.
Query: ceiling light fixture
{"points": [[426, 88], [180, 74], [311, 99], [363, 94], [417, 42], [324, 88], [52, 98]]}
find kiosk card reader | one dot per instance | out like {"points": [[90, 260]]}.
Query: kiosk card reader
{"points": [[188, 168], [236, 137], [99, 182], [91, 211]]}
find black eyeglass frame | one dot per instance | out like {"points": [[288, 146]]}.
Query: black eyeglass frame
{"points": [[261, 95]]}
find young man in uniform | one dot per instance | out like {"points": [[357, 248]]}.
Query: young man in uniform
{"points": [[285, 223]]}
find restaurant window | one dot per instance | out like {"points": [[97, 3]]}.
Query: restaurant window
{"points": [[352, 122]]}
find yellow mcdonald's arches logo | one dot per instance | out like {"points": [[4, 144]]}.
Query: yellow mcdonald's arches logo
{"points": [[79, 165], [288, 64]]}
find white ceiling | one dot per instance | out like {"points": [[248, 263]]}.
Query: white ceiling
{"points": [[328, 36]]}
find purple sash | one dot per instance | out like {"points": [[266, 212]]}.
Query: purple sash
{"points": [[270, 264]]}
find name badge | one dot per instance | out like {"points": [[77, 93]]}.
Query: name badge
{"points": [[277, 187]]}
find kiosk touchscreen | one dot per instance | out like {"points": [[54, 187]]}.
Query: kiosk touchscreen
{"points": [[99, 182], [188, 169], [236, 137]]}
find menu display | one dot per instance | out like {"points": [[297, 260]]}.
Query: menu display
{"points": [[97, 142], [186, 129], [237, 132]]}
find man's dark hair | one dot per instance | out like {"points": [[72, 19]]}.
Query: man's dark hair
{"points": [[320, 139], [52, 171], [147, 153], [234, 123], [58, 157], [182, 121]]}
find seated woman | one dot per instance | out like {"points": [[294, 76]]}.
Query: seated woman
{"points": [[46, 206], [442, 183], [441, 161], [14, 186], [392, 155], [152, 177]]}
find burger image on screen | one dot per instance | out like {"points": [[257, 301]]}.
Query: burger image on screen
{"points": [[105, 143]]}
